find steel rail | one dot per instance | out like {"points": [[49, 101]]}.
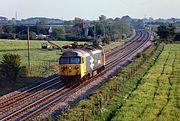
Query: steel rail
{"points": [[115, 63], [114, 55], [35, 103], [121, 47], [28, 97], [25, 93]]}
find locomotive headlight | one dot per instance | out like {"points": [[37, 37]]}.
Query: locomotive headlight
{"points": [[70, 67]]}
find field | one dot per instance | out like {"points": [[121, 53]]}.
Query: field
{"points": [[41, 60], [158, 95]]}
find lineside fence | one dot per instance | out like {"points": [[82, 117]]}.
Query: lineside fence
{"points": [[44, 68]]}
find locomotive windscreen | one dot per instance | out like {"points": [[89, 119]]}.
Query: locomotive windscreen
{"points": [[70, 60]]}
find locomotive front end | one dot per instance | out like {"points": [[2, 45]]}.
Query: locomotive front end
{"points": [[80, 64], [71, 66]]}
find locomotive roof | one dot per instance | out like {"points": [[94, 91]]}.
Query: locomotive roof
{"points": [[83, 51], [87, 47]]}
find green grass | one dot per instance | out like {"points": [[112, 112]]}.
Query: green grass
{"points": [[152, 94], [107, 94], [112, 45], [158, 95], [41, 60], [37, 54]]}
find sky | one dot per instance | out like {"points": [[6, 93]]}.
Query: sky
{"points": [[89, 9]]}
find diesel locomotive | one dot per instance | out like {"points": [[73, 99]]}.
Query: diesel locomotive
{"points": [[80, 63]]}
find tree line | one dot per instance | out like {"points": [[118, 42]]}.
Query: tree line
{"points": [[20, 32], [80, 30], [167, 33]]}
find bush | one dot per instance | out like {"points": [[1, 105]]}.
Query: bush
{"points": [[23, 71], [105, 40], [7, 36], [10, 67]]}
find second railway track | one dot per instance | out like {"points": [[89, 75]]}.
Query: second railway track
{"points": [[25, 112]]}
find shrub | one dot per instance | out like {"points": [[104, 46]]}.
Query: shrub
{"points": [[10, 67]]}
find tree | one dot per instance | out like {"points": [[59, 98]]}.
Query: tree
{"points": [[41, 27], [8, 32], [166, 32], [162, 31], [106, 40], [177, 37], [32, 35], [171, 28], [9, 29], [99, 29], [77, 20], [102, 18], [1, 29], [10, 67], [91, 31], [58, 33]]}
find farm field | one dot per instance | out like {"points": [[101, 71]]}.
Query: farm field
{"points": [[158, 95], [38, 56], [41, 60]]}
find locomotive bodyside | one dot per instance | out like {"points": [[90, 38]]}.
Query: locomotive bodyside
{"points": [[95, 61], [77, 65]]}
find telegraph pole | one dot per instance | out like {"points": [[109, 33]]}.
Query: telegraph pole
{"points": [[28, 42], [94, 32]]}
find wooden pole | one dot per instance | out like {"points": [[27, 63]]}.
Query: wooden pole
{"points": [[29, 64], [94, 32]]}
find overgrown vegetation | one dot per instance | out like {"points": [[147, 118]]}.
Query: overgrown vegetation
{"points": [[103, 103], [10, 67], [13, 75], [157, 96], [166, 32]]}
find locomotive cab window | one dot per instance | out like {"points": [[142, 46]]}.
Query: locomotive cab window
{"points": [[75, 60], [64, 60], [70, 60]]}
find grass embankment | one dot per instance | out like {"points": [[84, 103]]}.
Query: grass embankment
{"points": [[158, 95], [104, 102]]}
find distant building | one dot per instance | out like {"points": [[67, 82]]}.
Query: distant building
{"points": [[42, 37], [50, 30]]}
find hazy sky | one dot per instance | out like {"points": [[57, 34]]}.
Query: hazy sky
{"points": [[90, 9]]}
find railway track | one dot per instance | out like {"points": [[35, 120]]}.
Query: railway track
{"points": [[121, 47], [21, 94], [28, 91], [24, 111], [114, 63]]}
